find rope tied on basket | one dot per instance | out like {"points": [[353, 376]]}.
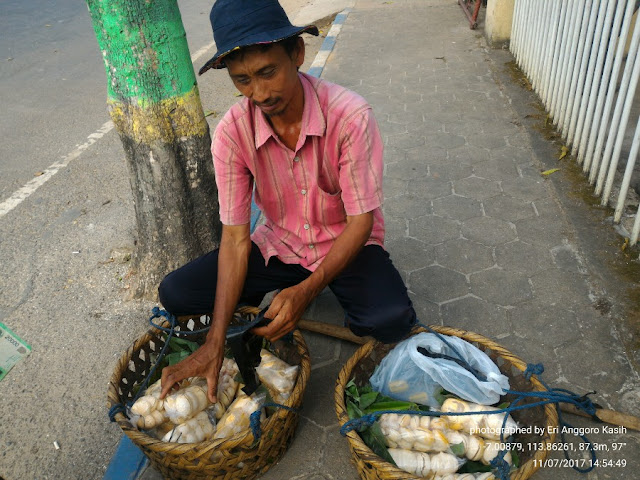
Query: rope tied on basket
{"points": [[502, 467], [155, 313], [533, 369], [116, 409], [254, 418]]}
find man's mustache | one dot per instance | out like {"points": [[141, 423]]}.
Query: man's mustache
{"points": [[267, 103]]}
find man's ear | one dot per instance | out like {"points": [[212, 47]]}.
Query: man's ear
{"points": [[299, 52]]}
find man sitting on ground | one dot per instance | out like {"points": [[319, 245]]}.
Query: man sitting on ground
{"points": [[313, 152]]}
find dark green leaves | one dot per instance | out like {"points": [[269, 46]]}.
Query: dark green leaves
{"points": [[374, 439], [181, 345]]}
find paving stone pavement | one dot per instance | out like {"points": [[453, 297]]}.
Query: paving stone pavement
{"points": [[477, 233]]}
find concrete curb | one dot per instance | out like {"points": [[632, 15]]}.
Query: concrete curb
{"points": [[329, 42]]}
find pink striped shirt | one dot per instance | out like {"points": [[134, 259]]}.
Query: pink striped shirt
{"points": [[304, 195]]}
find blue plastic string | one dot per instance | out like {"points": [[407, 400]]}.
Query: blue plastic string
{"points": [[254, 418], [155, 313]]}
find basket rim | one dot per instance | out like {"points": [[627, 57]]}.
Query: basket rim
{"points": [[196, 450], [359, 447]]}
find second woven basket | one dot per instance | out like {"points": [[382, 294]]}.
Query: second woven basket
{"points": [[362, 364], [238, 457]]}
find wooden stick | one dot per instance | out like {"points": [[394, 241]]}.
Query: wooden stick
{"points": [[608, 416], [335, 331]]}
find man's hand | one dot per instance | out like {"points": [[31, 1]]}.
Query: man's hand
{"points": [[285, 310], [204, 362]]}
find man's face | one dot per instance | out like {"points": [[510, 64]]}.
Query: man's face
{"points": [[268, 78]]}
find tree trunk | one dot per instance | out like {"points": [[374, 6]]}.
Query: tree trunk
{"points": [[154, 103]]}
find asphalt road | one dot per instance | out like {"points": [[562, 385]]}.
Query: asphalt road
{"points": [[53, 82], [63, 271]]}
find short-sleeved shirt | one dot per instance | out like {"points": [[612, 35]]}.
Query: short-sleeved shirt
{"points": [[305, 195]]}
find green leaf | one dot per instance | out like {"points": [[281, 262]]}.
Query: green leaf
{"points": [[393, 405], [374, 439], [440, 396], [352, 391], [515, 458], [352, 410], [366, 389], [473, 467], [366, 399], [457, 449], [176, 357], [503, 405], [546, 173], [180, 344], [563, 152]]}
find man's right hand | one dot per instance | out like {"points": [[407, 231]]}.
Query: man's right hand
{"points": [[205, 362]]}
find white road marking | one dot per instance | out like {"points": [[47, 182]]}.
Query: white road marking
{"points": [[201, 52], [32, 185]]}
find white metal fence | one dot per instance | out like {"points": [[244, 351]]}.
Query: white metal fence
{"points": [[582, 59]]}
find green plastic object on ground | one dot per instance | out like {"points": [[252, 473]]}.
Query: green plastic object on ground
{"points": [[12, 349]]}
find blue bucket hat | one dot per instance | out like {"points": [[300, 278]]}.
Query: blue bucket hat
{"points": [[240, 23]]}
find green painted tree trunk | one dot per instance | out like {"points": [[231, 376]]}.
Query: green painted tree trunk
{"points": [[154, 103]]}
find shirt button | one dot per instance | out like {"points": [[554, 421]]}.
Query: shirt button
{"points": [[303, 191], [296, 159], [311, 245], [306, 226]]}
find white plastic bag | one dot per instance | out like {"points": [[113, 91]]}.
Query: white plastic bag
{"points": [[238, 416], [278, 376], [407, 374]]}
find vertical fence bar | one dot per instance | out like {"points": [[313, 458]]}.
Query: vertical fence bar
{"points": [[611, 95], [593, 79], [636, 227], [587, 63], [626, 180], [541, 41], [578, 68], [564, 55], [567, 70], [515, 29], [556, 55], [609, 36], [524, 12], [626, 94], [528, 42], [550, 48], [533, 63]]}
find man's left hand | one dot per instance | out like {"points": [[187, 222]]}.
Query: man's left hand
{"points": [[285, 310]]}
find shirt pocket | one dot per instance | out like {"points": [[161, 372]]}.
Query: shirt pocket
{"points": [[329, 208], [328, 183]]}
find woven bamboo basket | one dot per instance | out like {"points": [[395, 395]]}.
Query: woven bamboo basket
{"points": [[363, 362], [223, 459]]}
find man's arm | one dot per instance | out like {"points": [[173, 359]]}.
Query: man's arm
{"points": [[233, 259], [287, 307]]}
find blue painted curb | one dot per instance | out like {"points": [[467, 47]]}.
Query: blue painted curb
{"points": [[327, 46], [127, 463]]}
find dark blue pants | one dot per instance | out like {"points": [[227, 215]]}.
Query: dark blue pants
{"points": [[370, 290]]}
